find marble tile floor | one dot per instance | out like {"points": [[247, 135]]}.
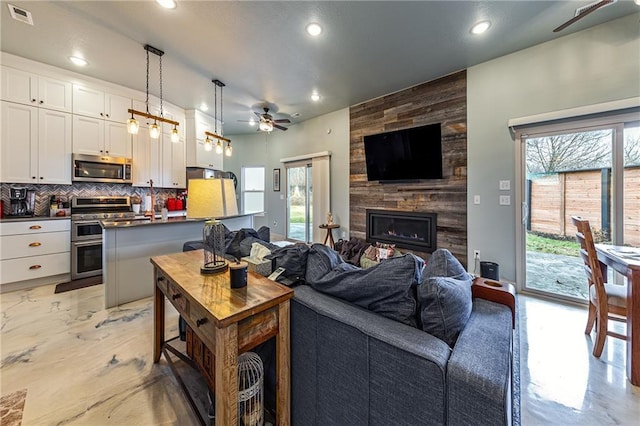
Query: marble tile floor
{"points": [[83, 365]]}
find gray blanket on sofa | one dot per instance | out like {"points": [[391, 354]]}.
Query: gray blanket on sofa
{"points": [[387, 288]]}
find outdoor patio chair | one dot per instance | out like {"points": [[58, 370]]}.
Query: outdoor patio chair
{"points": [[606, 301]]}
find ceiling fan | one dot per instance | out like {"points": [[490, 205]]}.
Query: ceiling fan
{"points": [[266, 122], [583, 11]]}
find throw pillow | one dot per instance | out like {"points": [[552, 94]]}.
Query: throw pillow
{"points": [[292, 258], [264, 233], [444, 264], [258, 251], [445, 304]]}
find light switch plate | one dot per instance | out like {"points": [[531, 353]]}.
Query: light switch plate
{"points": [[505, 185], [476, 199], [505, 200]]}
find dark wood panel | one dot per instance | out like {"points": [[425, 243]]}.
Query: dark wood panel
{"points": [[444, 101]]}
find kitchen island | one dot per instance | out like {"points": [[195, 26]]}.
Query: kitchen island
{"points": [[127, 273]]}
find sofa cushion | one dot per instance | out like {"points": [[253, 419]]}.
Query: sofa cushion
{"points": [[444, 264], [445, 304], [387, 288]]}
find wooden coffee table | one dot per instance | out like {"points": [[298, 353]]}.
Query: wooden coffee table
{"points": [[228, 322]]}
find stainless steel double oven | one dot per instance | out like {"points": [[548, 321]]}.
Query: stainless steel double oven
{"points": [[86, 231]]}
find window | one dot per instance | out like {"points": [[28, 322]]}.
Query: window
{"points": [[253, 189]]}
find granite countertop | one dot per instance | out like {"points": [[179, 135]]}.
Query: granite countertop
{"points": [[110, 224], [31, 218], [145, 221]]}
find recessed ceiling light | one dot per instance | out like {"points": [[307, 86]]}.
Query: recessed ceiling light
{"points": [[78, 61], [167, 4], [315, 97], [314, 29], [204, 107], [295, 115], [480, 27]]}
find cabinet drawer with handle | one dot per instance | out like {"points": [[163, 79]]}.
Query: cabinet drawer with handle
{"points": [[34, 226], [15, 246], [27, 268]]}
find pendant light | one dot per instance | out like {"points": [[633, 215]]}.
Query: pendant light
{"points": [[208, 143], [154, 129]]}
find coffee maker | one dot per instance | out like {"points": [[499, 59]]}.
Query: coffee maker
{"points": [[22, 201]]}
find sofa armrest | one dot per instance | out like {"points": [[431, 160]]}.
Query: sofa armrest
{"points": [[479, 377], [494, 291]]}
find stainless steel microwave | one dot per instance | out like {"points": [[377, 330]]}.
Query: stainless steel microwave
{"points": [[98, 168]]}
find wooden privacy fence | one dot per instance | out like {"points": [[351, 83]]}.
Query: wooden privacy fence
{"points": [[554, 198]]}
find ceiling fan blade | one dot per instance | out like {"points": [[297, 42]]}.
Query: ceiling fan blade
{"points": [[282, 120], [257, 113], [279, 127], [584, 13]]}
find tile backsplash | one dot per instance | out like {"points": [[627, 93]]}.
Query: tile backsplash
{"points": [[66, 192]]}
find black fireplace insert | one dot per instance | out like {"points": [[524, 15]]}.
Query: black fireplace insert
{"points": [[410, 230]]}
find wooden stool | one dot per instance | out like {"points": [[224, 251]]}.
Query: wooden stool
{"points": [[329, 236]]}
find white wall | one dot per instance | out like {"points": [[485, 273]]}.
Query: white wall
{"points": [[308, 137], [596, 65]]}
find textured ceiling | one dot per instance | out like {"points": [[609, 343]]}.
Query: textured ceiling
{"points": [[261, 51]]}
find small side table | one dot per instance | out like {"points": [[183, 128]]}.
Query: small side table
{"points": [[329, 236]]}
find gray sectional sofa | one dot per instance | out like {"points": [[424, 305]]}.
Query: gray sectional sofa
{"points": [[353, 366]]}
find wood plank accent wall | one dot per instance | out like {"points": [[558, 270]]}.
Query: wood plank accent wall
{"points": [[444, 101]]}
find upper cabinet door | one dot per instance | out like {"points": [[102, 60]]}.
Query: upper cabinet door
{"points": [[116, 108], [54, 147], [88, 101], [20, 126], [88, 135], [117, 141], [54, 94], [30, 89], [19, 86]]}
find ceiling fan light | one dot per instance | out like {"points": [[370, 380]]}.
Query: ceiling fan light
{"points": [[154, 131], [175, 136], [252, 122], [265, 126], [228, 151], [218, 147], [132, 126]]}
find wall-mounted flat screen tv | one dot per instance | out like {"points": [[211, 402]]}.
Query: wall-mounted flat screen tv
{"points": [[408, 154]]}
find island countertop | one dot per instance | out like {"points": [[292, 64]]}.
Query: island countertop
{"points": [[109, 223]]}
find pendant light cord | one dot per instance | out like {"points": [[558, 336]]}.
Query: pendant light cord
{"points": [[147, 101], [161, 113], [215, 106], [221, 114]]}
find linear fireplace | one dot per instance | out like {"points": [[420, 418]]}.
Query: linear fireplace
{"points": [[410, 230]]}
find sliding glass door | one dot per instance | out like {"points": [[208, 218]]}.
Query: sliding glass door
{"points": [[299, 202], [592, 172]]}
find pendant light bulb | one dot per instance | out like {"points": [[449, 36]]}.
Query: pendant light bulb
{"points": [[132, 126], [218, 148], [228, 150], [154, 131], [175, 136], [208, 146]]}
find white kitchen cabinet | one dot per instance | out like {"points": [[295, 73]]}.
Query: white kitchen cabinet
{"points": [[196, 124], [94, 136], [35, 250], [97, 103], [40, 148], [35, 90], [173, 163], [146, 159]]}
